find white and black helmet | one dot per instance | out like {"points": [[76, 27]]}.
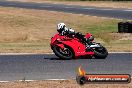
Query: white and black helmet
{"points": [[60, 27]]}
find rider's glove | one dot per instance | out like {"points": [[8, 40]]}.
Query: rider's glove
{"points": [[91, 38]]}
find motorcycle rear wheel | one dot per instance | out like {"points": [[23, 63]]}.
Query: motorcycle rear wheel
{"points": [[66, 53]]}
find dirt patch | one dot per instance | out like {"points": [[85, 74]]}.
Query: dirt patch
{"points": [[122, 36], [60, 84], [18, 25], [30, 31]]}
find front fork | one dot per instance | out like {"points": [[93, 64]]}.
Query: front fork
{"points": [[92, 46]]}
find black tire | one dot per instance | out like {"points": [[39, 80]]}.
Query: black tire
{"points": [[58, 52], [100, 52]]}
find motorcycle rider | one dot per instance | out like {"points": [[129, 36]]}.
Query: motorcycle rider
{"points": [[64, 31]]}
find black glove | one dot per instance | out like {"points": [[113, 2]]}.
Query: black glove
{"points": [[91, 38]]}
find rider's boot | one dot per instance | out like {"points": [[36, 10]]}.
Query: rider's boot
{"points": [[87, 48]]}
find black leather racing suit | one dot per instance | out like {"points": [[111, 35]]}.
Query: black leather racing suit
{"points": [[70, 32]]}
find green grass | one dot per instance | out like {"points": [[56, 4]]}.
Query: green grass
{"points": [[24, 47], [104, 27], [102, 30]]}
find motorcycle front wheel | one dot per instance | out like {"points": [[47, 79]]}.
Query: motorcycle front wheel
{"points": [[65, 53], [100, 52]]}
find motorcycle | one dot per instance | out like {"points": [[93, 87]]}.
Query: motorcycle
{"points": [[72, 47]]}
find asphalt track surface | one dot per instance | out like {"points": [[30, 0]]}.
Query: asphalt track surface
{"points": [[86, 10], [41, 67]]}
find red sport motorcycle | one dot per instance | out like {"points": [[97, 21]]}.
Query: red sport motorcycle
{"points": [[72, 47]]}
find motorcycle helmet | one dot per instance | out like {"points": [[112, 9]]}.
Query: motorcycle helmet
{"points": [[60, 27]]}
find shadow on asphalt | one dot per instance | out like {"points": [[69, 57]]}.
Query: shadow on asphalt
{"points": [[56, 58]]}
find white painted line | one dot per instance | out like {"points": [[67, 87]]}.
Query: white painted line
{"points": [[23, 53], [55, 79], [40, 80], [34, 80], [43, 53], [27, 80], [128, 10], [109, 9], [106, 9], [98, 9], [88, 8], [68, 7], [18, 80], [15, 53], [4, 81]]}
